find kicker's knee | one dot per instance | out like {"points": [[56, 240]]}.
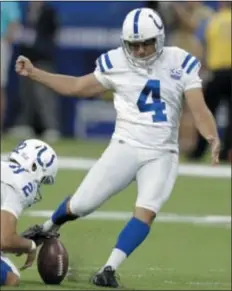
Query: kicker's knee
{"points": [[12, 279], [9, 278], [9, 273]]}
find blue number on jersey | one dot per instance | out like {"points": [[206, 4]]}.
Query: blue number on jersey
{"points": [[28, 189], [157, 106]]}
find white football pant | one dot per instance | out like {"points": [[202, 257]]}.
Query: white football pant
{"points": [[155, 173]]}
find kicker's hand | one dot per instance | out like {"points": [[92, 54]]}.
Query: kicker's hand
{"points": [[31, 256], [215, 150], [37, 234], [23, 66]]}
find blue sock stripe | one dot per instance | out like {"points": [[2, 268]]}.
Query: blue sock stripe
{"points": [[133, 234], [60, 216], [4, 270]]}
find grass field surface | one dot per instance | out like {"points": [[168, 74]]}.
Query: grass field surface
{"points": [[189, 247]]}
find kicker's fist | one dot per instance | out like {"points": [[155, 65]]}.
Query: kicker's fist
{"points": [[23, 66]]}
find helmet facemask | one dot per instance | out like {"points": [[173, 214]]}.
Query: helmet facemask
{"points": [[143, 61], [44, 180]]}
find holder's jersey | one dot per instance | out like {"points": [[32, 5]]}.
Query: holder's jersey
{"points": [[18, 188], [149, 101]]}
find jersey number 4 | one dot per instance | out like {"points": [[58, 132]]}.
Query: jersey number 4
{"points": [[152, 88]]}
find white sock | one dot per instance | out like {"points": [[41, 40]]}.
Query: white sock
{"points": [[49, 225], [116, 258]]}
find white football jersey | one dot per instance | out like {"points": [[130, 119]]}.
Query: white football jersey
{"points": [[18, 188], [148, 102]]}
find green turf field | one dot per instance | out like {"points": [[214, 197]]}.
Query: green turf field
{"points": [[188, 248]]}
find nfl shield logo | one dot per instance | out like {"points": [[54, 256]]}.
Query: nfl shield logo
{"points": [[176, 74]]}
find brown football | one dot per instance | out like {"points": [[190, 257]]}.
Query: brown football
{"points": [[52, 261]]}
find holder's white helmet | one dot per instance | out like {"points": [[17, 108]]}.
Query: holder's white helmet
{"points": [[38, 158], [141, 25]]}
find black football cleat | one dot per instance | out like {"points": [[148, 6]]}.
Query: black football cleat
{"points": [[105, 278]]}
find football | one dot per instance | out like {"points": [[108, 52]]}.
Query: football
{"points": [[52, 261]]}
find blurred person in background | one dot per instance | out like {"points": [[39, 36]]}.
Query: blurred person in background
{"points": [[183, 20], [212, 4], [216, 35], [10, 21], [41, 110]]}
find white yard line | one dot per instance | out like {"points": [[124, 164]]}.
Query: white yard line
{"points": [[220, 220], [184, 169], [80, 163]]}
